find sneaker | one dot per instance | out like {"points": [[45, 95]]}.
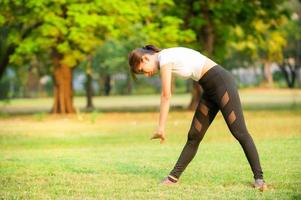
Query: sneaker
{"points": [[169, 180], [260, 184]]}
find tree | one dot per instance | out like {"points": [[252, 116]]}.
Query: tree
{"points": [[213, 21], [63, 30], [68, 32], [292, 51], [265, 46], [270, 37], [16, 24]]}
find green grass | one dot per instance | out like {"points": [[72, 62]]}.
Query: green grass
{"points": [[109, 155]]}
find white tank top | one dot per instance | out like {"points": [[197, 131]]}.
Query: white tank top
{"points": [[188, 63]]}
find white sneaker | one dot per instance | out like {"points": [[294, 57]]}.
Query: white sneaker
{"points": [[169, 181], [260, 184]]}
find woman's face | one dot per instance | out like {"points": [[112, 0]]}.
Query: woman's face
{"points": [[149, 65]]}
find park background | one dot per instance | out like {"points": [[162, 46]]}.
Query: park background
{"points": [[74, 125]]}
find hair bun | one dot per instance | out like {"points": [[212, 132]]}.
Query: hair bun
{"points": [[150, 47]]}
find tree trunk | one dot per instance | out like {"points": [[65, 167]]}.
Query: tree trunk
{"points": [[268, 76], [208, 38], [195, 95], [4, 59], [89, 92], [107, 85], [173, 84], [63, 99], [289, 72], [129, 85], [208, 43]]}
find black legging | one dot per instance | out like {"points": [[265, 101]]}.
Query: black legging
{"points": [[220, 93]]}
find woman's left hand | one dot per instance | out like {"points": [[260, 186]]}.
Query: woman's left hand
{"points": [[159, 134]]}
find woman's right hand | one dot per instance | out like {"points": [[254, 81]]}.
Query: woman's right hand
{"points": [[159, 134]]}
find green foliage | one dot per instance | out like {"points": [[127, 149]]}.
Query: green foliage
{"points": [[106, 30], [78, 30], [110, 57], [247, 27], [73, 28], [266, 36], [293, 31]]}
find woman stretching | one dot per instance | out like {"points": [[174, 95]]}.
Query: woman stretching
{"points": [[220, 93]]}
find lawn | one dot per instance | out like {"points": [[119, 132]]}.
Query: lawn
{"points": [[108, 155]]}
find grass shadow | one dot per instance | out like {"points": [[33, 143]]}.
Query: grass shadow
{"points": [[139, 170], [41, 113]]}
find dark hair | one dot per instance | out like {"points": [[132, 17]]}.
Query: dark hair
{"points": [[135, 57]]}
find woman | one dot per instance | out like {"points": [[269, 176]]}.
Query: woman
{"points": [[220, 93]]}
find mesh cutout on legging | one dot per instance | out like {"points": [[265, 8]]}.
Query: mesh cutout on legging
{"points": [[231, 117], [197, 124], [204, 109], [225, 99]]}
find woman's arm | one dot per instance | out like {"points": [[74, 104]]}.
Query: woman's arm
{"points": [[165, 94], [165, 101]]}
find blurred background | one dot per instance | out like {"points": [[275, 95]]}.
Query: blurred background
{"points": [[57, 50]]}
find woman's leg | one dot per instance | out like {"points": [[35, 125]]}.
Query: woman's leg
{"points": [[230, 105], [204, 115]]}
